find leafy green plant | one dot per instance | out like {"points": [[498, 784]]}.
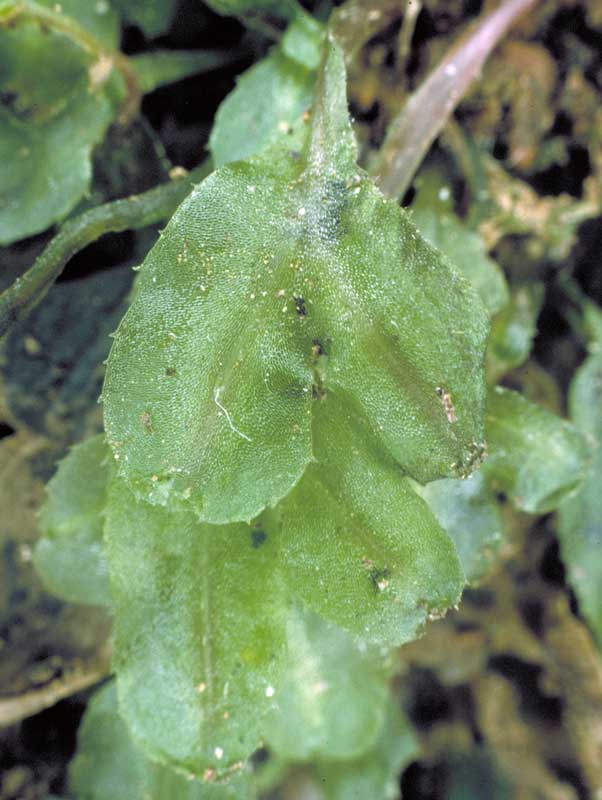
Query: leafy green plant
{"points": [[306, 453], [580, 519]]}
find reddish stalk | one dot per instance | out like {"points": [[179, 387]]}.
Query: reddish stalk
{"points": [[426, 110]]}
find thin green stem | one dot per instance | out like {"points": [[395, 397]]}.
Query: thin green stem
{"points": [[131, 213], [105, 58]]}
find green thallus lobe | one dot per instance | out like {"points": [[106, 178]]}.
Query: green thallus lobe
{"points": [[282, 279]]}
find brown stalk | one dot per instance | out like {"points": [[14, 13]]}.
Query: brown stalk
{"points": [[426, 110]]}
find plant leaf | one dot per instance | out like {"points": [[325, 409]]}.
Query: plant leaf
{"points": [[98, 18], [269, 96], [465, 249], [323, 710], [281, 277], [513, 330], [535, 457], [432, 213], [359, 546], [302, 41], [592, 314], [376, 773], [109, 765], [48, 128], [152, 18], [580, 517], [467, 510], [286, 9], [199, 632], [70, 555]]}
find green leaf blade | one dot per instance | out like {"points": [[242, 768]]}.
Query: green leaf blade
{"points": [[270, 96], [70, 555], [221, 396], [286, 9], [324, 711], [401, 353], [108, 764], [359, 546], [48, 128], [513, 330], [59, 156], [467, 510], [535, 457], [374, 774], [281, 277], [162, 67], [153, 18], [198, 644], [466, 250], [580, 517]]}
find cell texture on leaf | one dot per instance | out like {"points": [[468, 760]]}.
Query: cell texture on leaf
{"points": [[359, 546], [280, 280], [199, 632]]}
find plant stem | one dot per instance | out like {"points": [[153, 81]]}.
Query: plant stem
{"points": [[406, 33], [131, 213], [55, 20], [426, 110]]}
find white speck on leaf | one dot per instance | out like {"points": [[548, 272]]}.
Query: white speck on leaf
{"points": [[228, 417]]}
